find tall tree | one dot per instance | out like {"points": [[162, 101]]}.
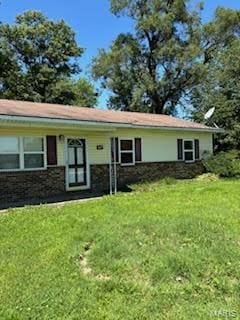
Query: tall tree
{"points": [[6, 62], [40, 57], [222, 91], [153, 68]]}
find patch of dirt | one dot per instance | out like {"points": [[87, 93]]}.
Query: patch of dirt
{"points": [[180, 279], [84, 265], [86, 269]]}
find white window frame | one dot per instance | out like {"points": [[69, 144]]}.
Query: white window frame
{"points": [[22, 154], [189, 150], [127, 151], [34, 152]]}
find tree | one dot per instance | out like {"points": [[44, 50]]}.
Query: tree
{"points": [[39, 59], [6, 61], [222, 91], [73, 92], [85, 93], [165, 58]]}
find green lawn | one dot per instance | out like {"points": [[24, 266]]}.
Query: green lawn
{"points": [[164, 251]]}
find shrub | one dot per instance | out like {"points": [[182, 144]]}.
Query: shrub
{"points": [[224, 164]]}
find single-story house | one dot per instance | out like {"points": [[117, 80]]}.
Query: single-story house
{"points": [[48, 150]]}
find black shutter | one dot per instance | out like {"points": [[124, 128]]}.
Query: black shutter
{"points": [[51, 150], [180, 149], [138, 149], [197, 149], [117, 149], [114, 146]]}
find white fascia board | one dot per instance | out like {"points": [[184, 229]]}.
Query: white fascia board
{"points": [[112, 125]]}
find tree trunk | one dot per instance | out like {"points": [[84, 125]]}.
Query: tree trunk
{"points": [[157, 104]]}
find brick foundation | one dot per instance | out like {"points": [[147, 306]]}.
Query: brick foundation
{"points": [[23, 185], [158, 170], [99, 178], [143, 172]]}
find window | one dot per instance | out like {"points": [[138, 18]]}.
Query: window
{"points": [[9, 153], [188, 150], [33, 149], [126, 151], [20, 153]]}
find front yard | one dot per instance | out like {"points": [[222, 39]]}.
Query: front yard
{"points": [[164, 251]]}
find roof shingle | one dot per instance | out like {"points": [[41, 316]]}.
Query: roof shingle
{"points": [[55, 111]]}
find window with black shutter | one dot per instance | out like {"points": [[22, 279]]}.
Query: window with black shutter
{"points": [[188, 150], [127, 151]]}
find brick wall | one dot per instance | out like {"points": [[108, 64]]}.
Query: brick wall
{"points": [[158, 170], [143, 171], [24, 185], [99, 178], [18, 186]]}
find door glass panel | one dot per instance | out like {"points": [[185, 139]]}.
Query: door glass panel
{"points": [[79, 155], [75, 142], [72, 176], [71, 156], [76, 162], [80, 172]]}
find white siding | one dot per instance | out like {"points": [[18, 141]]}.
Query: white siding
{"points": [[156, 145], [95, 156], [93, 139], [162, 146]]}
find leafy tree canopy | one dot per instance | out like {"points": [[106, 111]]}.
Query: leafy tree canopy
{"points": [[85, 93], [160, 63], [73, 92], [222, 91], [39, 58]]}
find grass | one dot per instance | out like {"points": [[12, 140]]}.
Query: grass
{"points": [[168, 250]]}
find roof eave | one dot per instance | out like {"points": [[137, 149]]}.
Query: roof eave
{"points": [[66, 122]]}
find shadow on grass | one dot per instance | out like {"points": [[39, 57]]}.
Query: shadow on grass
{"points": [[70, 196], [56, 199]]}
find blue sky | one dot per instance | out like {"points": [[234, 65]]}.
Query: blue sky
{"points": [[92, 21]]}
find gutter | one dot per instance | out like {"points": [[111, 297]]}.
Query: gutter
{"points": [[67, 122]]}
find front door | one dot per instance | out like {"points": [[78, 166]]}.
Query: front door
{"points": [[76, 163]]}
